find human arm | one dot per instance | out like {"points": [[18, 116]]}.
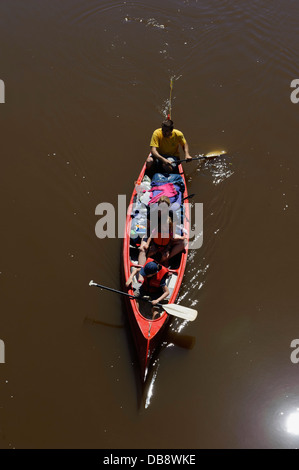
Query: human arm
{"points": [[155, 154], [185, 147], [130, 279], [163, 296], [149, 239]]}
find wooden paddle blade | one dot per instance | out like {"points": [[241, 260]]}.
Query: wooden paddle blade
{"points": [[217, 153], [179, 311]]}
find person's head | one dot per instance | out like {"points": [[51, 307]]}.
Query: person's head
{"points": [[167, 128], [149, 269], [164, 203]]}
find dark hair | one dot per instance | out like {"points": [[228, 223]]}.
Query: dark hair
{"points": [[167, 124]]}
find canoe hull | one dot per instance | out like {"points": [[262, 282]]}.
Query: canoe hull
{"points": [[148, 334]]}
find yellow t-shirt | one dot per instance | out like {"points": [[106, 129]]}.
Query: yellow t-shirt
{"points": [[168, 145]]}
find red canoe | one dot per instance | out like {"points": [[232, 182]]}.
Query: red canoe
{"points": [[148, 333]]}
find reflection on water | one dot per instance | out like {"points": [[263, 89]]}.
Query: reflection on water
{"points": [[149, 390], [292, 423], [220, 169], [174, 339], [148, 22]]}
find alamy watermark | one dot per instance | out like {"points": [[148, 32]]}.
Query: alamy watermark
{"points": [[186, 220], [2, 91], [295, 94], [2, 352], [295, 353]]}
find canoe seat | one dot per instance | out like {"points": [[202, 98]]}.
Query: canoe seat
{"points": [[171, 281]]}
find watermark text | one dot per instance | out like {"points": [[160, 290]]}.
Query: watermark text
{"points": [[183, 221], [295, 353], [2, 352], [2, 91], [295, 94]]}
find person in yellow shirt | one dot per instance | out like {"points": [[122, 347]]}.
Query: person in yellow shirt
{"points": [[165, 144]]}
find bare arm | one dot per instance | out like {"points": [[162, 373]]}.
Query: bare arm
{"points": [[148, 242], [186, 151], [156, 154], [163, 296], [130, 279]]}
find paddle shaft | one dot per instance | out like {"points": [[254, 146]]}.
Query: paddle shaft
{"points": [[208, 156], [122, 293], [171, 86], [191, 159], [172, 309], [188, 197]]}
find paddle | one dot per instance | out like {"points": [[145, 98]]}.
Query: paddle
{"points": [[171, 86], [188, 197], [201, 157], [172, 309]]}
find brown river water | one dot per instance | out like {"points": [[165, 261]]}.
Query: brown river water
{"points": [[86, 83]]}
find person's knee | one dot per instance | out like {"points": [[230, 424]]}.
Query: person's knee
{"points": [[149, 161]]}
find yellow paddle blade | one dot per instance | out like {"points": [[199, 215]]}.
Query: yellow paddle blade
{"points": [[216, 153]]}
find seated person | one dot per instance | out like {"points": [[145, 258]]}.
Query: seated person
{"points": [[162, 239], [165, 143], [153, 277]]}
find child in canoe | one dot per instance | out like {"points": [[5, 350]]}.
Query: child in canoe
{"points": [[162, 239], [153, 278]]}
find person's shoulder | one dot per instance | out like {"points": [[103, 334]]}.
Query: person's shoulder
{"points": [[156, 138], [179, 136], [164, 279], [178, 133]]}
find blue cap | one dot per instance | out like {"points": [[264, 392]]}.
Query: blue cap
{"points": [[149, 268]]}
